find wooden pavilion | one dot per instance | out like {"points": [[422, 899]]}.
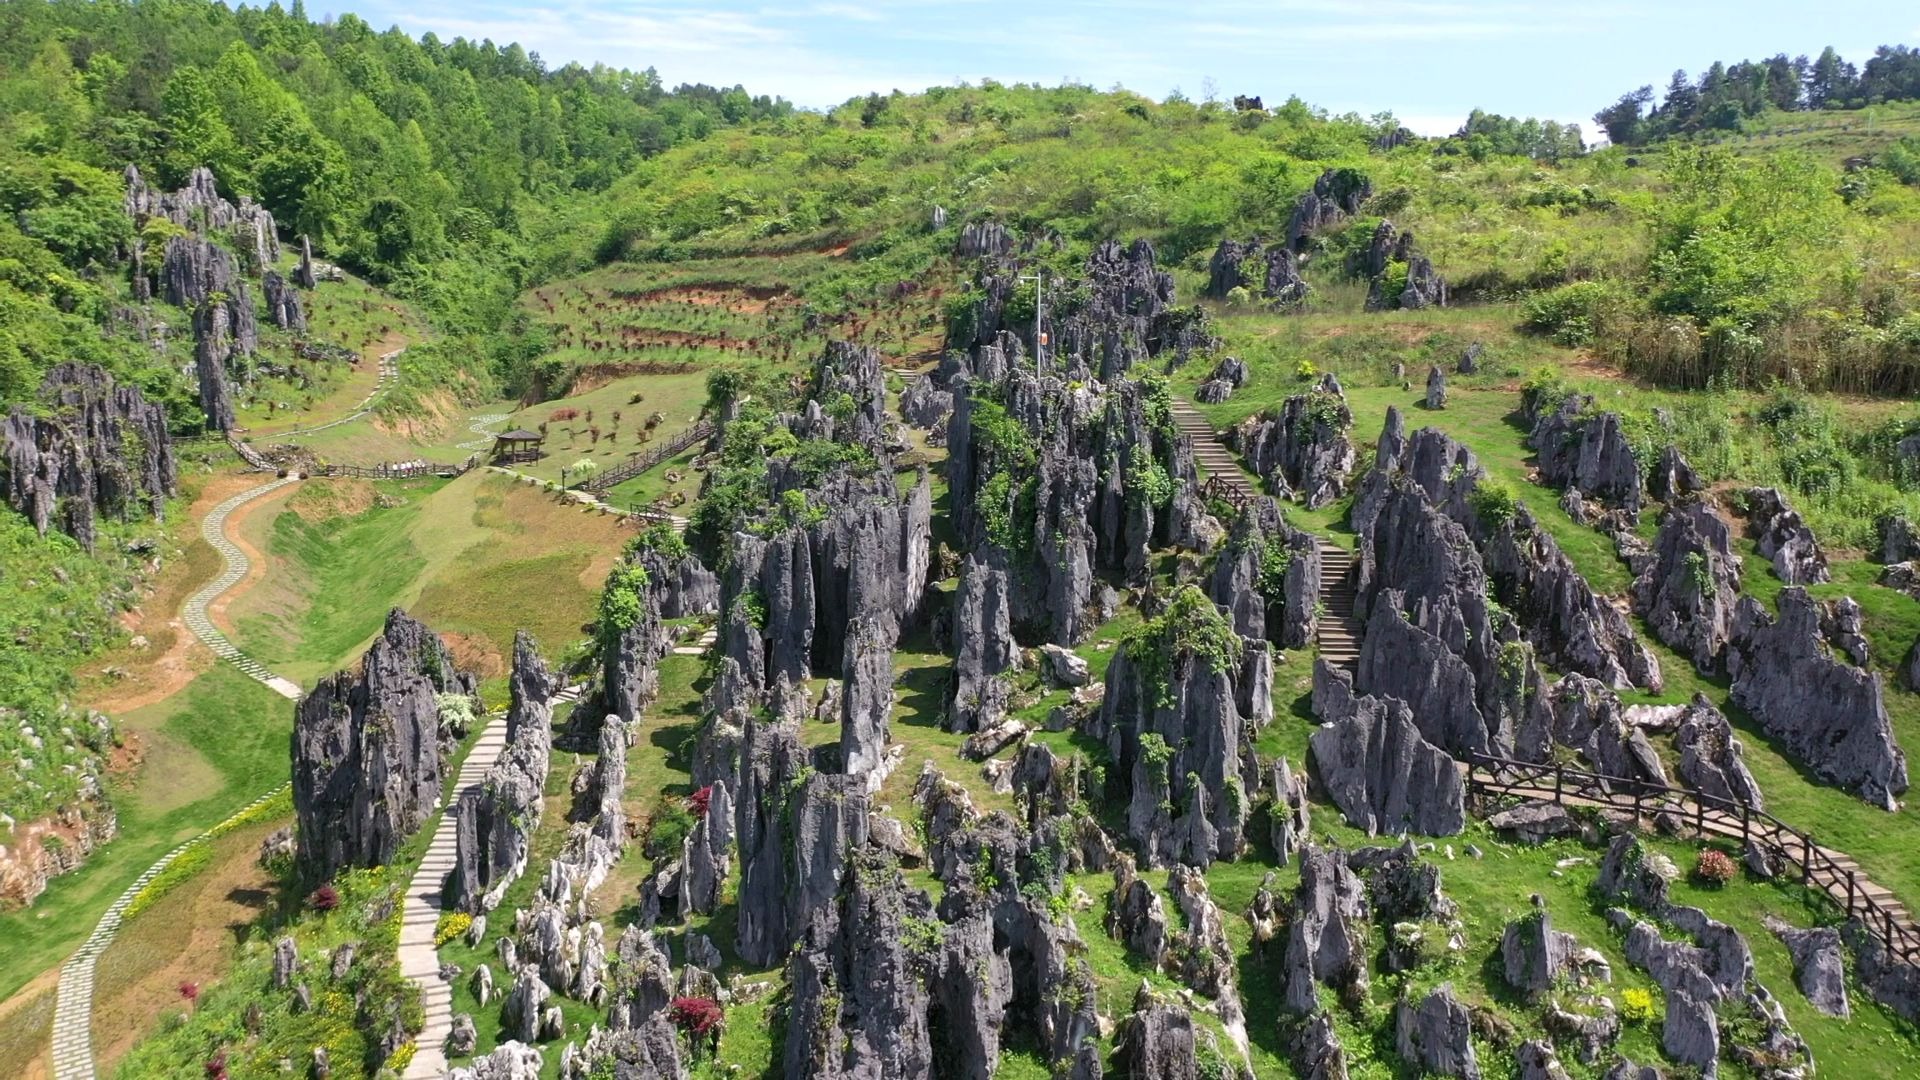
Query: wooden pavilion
{"points": [[518, 445]]}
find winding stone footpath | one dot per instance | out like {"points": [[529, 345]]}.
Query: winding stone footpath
{"points": [[420, 910], [73, 1002], [389, 371], [214, 529], [479, 426]]}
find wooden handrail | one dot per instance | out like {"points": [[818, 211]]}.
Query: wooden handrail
{"points": [[1782, 843], [641, 461]]}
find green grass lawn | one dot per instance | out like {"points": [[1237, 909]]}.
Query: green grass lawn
{"points": [[210, 749]]}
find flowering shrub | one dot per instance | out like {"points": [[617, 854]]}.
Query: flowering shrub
{"points": [[452, 925], [325, 898], [189, 992], [1636, 1005], [697, 1016], [1715, 867], [697, 802], [402, 1056], [216, 1066]]}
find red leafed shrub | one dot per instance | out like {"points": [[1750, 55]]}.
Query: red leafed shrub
{"points": [[190, 992], [324, 898], [696, 1015], [563, 414], [697, 802], [1715, 867], [216, 1066]]}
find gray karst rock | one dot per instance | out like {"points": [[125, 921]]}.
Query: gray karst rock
{"points": [[283, 303], [1287, 813], [94, 448], [1283, 287], [1137, 917], [1317, 1053], [1326, 934], [1378, 768], [1899, 538], [1784, 539], [1843, 624], [707, 850], [494, 822], [463, 1036], [1587, 451], [979, 238], [850, 371], [1818, 965], [1627, 1070], [1534, 955], [1470, 359], [924, 405], [1588, 717], [1304, 449], [1201, 954], [1590, 1034], [210, 353], [984, 649], [867, 703], [1228, 375], [1436, 388], [642, 987], [1156, 1040], [1825, 711], [1336, 195], [1686, 586], [286, 961], [1226, 271], [1172, 741], [1536, 1061], [1063, 666], [511, 1060], [1261, 604], [483, 984], [1436, 1035], [1399, 276], [629, 669], [681, 586], [859, 1004], [795, 829], [303, 275], [1886, 977], [1711, 757], [1672, 478], [1534, 822], [652, 1052], [369, 754], [199, 207], [521, 1009]]}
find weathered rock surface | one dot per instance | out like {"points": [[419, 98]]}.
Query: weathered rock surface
{"points": [[96, 448], [1712, 761], [1436, 1034], [1588, 452], [369, 754], [511, 1060], [984, 649], [1825, 711], [682, 586], [1336, 195], [1672, 478], [796, 830], [1244, 580], [1378, 768], [1818, 964], [1534, 955], [1436, 388], [1303, 450], [1327, 933], [1686, 586], [1156, 1040], [494, 822], [866, 703], [1228, 375], [1784, 539], [199, 207], [283, 303]]}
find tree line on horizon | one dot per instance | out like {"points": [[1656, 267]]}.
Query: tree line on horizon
{"points": [[1725, 95]]}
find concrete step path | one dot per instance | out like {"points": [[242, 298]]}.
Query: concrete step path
{"points": [[420, 909], [389, 371]]}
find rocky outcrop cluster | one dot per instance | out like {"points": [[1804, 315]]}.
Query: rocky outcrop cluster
{"points": [[369, 751], [1336, 195], [1686, 585], [681, 584], [283, 303], [1783, 539], [1177, 718], [1827, 712], [1378, 767], [1587, 452], [1707, 974], [93, 449], [1272, 274], [494, 822], [1228, 375], [1712, 760], [630, 658], [1304, 449], [199, 207], [1398, 276], [1267, 577]]}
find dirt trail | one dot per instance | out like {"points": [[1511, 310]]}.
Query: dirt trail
{"points": [[256, 559]]}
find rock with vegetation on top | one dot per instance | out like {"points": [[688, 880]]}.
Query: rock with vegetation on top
{"points": [[1587, 451], [1304, 449], [95, 448], [1828, 713], [369, 753], [1336, 195], [1686, 586], [1784, 539], [632, 643], [1267, 577]]}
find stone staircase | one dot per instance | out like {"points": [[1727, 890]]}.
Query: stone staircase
{"points": [[1337, 631], [1221, 465]]}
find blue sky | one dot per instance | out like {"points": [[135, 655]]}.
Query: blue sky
{"points": [[1429, 61]]}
